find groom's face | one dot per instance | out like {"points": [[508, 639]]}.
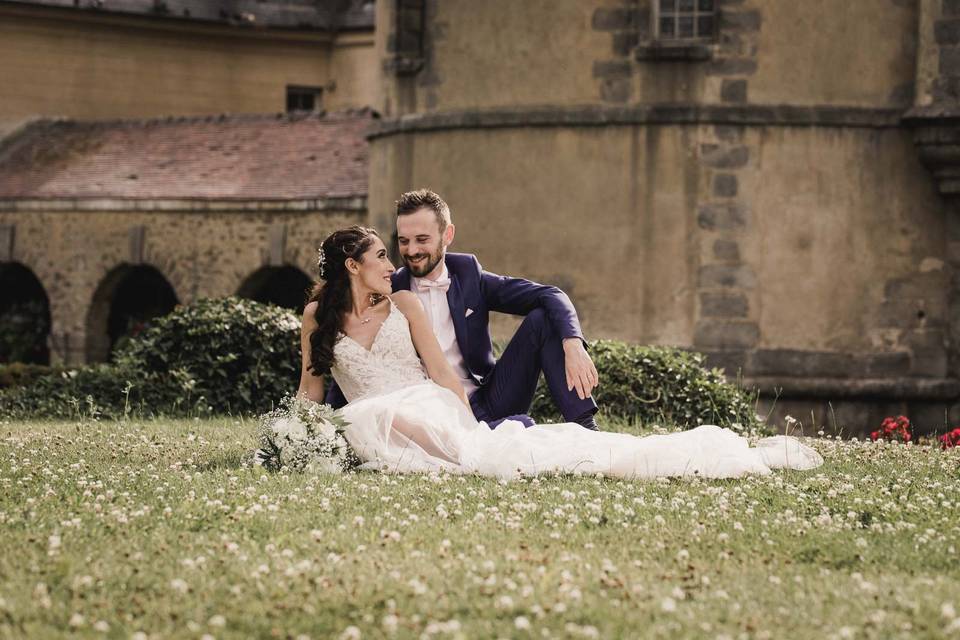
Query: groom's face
{"points": [[421, 244]]}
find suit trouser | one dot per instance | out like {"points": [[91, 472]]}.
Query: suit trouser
{"points": [[509, 390]]}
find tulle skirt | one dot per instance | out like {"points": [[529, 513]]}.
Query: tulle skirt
{"points": [[425, 428]]}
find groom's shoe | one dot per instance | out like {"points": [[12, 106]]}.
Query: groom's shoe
{"points": [[587, 422]]}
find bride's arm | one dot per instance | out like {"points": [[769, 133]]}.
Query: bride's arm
{"points": [[311, 386], [426, 344]]}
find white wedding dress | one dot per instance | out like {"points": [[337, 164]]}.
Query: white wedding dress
{"points": [[400, 421]]}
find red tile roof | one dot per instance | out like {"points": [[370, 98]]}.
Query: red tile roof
{"points": [[257, 157]]}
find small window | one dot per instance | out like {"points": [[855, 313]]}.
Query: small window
{"points": [[686, 20], [303, 98]]}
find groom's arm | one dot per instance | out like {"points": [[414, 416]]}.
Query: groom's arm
{"points": [[335, 396], [519, 297]]}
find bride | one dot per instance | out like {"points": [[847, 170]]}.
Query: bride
{"points": [[408, 412]]}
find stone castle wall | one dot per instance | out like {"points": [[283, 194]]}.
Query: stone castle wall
{"points": [[760, 199]]}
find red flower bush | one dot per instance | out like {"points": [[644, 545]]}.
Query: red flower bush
{"points": [[950, 439], [893, 429]]}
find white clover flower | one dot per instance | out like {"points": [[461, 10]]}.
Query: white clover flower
{"points": [[668, 605], [521, 623]]}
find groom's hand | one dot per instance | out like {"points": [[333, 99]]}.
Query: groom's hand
{"points": [[581, 374]]}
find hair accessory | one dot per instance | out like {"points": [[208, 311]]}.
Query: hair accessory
{"points": [[320, 261]]}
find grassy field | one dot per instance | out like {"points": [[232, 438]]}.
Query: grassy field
{"points": [[158, 530]]}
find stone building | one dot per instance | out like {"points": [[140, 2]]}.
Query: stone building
{"points": [[767, 181]]}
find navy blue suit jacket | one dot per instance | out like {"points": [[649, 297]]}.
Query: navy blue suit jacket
{"points": [[482, 292]]}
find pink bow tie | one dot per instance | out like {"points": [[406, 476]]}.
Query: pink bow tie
{"points": [[425, 284]]}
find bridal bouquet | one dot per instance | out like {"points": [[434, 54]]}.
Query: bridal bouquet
{"points": [[303, 435]]}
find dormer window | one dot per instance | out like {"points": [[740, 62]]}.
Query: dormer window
{"points": [[300, 98]]}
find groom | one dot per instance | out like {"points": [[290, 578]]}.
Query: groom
{"points": [[458, 296]]}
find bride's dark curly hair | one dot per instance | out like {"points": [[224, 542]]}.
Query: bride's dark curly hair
{"points": [[332, 294]]}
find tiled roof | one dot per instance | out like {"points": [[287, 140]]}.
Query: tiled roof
{"points": [[284, 14], [218, 157]]}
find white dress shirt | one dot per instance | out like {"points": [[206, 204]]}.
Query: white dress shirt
{"points": [[433, 295]]}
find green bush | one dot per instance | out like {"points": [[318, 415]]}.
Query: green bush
{"points": [[243, 356], [22, 374], [214, 356], [659, 385], [102, 390]]}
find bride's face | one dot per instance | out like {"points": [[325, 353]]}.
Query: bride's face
{"points": [[375, 269]]}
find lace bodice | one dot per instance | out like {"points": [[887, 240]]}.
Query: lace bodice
{"points": [[391, 362]]}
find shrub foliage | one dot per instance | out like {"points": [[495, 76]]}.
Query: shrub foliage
{"points": [[241, 355], [236, 356], [227, 355], [659, 385]]}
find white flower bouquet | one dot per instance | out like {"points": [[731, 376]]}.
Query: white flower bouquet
{"points": [[303, 435]]}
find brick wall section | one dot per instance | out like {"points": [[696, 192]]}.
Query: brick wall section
{"points": [[200, 254]]}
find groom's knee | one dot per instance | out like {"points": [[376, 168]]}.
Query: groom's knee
{"points": [[537, 325]]}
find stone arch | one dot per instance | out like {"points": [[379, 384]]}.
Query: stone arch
{"points": [[283, 286], [128, 297], [24, 316]]}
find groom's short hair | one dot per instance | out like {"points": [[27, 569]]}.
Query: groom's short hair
{"points": [[413, 201]]}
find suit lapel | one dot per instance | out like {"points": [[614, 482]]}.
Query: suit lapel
{"points": [[457, 312]]}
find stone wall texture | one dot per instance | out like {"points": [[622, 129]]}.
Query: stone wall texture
{"points": [[758, 197], [205, 254]]}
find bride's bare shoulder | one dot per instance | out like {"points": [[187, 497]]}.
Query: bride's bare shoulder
{"points": [[310, 314]]}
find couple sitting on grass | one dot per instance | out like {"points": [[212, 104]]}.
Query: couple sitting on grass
{"points": [[410, 351]]}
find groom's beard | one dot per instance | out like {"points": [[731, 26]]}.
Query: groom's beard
{"points": [[428, 265]]}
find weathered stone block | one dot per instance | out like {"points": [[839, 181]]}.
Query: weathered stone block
{"points": [[930, 285], [732, 362], [792, 362], [723, 305], [625, 42], [729, 132], [947, 31], [7, 232], [726, 250], [612, 69], [277, 245], [731, 334], [723, 216], [892, 364], [950, 8], [929, 363], [723, 275], [725, 185], [616, 90], [732, 67], [733, 91], [614, 19], [949, 60], [138, 239], [720, 157]]}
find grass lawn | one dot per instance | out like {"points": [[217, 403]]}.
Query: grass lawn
{"points": [[157, 529]]}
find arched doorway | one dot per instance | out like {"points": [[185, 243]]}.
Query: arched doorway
{"points": [[126, 299], [24, 316], [283, 286]]}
